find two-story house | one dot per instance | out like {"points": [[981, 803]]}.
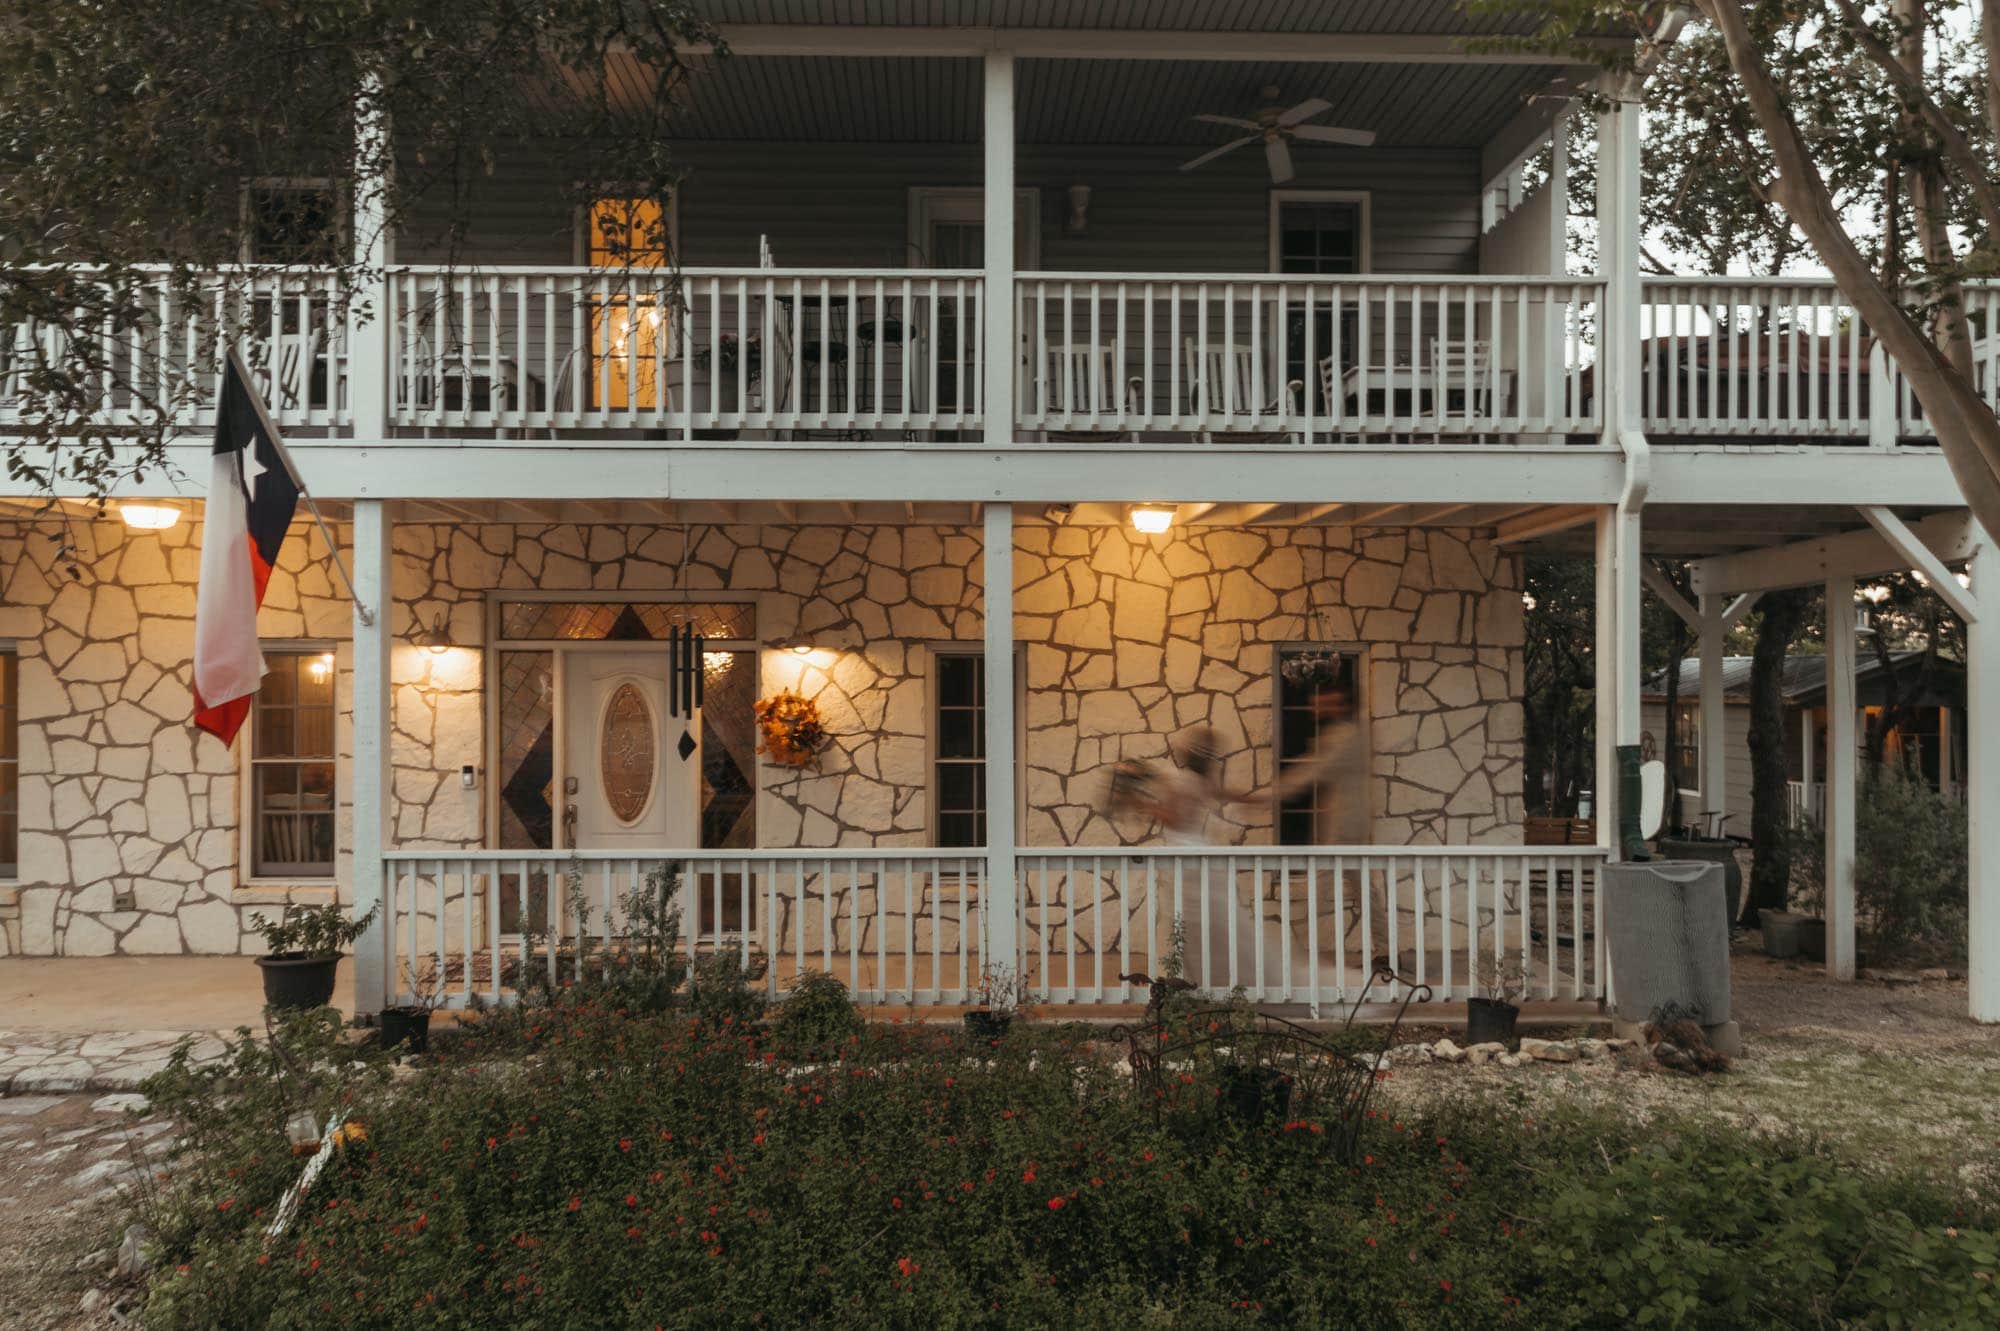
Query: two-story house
{"points": [[966, 404]]}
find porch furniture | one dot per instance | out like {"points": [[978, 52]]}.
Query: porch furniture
{"points": [[1083, 381], [1458, 382], [1225, 396]]}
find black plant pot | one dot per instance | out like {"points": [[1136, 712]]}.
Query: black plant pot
{"points": [[406, 1028], [1812, 938], [986, 1025], [1255, 1096], [294, 980], [1490, 1021], [1781, 933]]}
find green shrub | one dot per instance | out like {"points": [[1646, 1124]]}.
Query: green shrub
{"points": [[816, 1017], [639, 1170], [1911, 850]]}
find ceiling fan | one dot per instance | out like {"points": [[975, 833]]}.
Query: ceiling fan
{"points": [[1274, 126]]}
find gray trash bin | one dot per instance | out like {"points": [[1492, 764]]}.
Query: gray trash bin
{"points": [[1667, 929]]}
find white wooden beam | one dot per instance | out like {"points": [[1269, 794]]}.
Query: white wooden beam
{"points": [[1840, 772], [999, 909], [997, 301], [1963, 600], [373, 529], [810, 39], [1522, 137], [1859, 554], [1543, 523], [1982, 791], [1658, 584], [1733, 613]]}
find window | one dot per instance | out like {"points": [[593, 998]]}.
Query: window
{"points": [[291, 221], [292, 756], [10, 764], [958, 747], [1319, 231], [1323, 755], [629, 337], [1687, 738]]}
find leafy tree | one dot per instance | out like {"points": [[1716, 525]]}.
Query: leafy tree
{"points": [[1795, 105], [1782, 617], [127, 127]]}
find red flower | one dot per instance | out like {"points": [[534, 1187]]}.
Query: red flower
{"points": [[624, 1143], [631, 1199], [575, 1203], [896, 1203], [908, 1267], [1057, 1203]]}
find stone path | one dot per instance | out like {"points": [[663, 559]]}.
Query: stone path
{"points": [[61, 1062]]}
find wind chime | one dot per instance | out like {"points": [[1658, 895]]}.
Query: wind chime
{"points": [[685, 683]]}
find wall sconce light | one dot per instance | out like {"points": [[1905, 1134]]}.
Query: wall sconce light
{"points": [[436, 637], [1078, 221], [149, 517], [320, 667], [1152, 519]]}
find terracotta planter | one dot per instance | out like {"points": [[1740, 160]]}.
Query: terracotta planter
{"points": [[294, 980]]}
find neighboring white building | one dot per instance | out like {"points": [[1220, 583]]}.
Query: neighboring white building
{"points": [[1350, 401]]}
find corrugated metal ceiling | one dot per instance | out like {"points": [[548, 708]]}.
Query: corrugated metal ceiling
{"points": [[1317, 16], [884, 100]]}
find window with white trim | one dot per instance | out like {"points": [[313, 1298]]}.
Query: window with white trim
{"points": [[292, 766], [958, 747]]}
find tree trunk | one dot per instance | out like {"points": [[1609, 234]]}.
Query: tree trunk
{"points": [[1671, 728], [1783, 618]]}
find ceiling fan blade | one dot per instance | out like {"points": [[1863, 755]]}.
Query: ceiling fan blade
{"points": [[1357, 138], [1234, 122], [1305, 110], [1215, 153], [1280, 158]]}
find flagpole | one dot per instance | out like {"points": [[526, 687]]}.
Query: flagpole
{"points": [[361, 608]]}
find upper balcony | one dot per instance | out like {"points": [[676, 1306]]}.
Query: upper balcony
{"points": [[823, 273]]}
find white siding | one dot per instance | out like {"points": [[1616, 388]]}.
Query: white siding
{"points": [[1736, 723]]}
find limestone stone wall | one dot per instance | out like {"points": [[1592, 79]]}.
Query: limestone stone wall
{"points": [[1126, 642]]}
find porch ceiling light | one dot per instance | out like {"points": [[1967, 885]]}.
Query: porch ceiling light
{"points": [[1152, 519], [149, 517]]}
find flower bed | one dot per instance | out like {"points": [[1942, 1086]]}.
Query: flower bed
{"points": [[583, 1165]]}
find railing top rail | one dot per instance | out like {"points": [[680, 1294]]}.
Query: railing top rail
{"points": [[865, 853], [1322, 279], [1757, 281], [685, 272], [862, 853]]}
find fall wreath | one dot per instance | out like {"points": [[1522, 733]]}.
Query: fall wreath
{"points": [[791, 729]]}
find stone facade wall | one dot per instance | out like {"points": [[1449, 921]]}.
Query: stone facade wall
{"points": [[1127, 641]]}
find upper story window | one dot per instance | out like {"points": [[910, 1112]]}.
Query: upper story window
{"points": [[10, 764], [292, 221], [292, 766], [1317, 232]]}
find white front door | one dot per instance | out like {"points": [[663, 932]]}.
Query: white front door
{"points": [[627, 784]]}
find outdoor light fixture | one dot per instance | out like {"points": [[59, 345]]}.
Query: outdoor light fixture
{"points": [[1152, 519], [149, 517], [320, 667], [435, 637], [1078, 221]]}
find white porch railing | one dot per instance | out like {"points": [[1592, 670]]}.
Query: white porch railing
{"points": [[289, 325], [893, 925], [1303, 925], [1805, 800], [1786, 357], [706, 350], [1293, 926], [1248, 358]]}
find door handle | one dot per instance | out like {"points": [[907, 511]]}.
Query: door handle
{"points": [[569, 826]]}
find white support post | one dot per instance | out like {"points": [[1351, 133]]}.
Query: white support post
{"points": [[368, 338], [1840, 772], [1000, 911], [1714, 768], [1619, 387], [372, 564], [1982, 784], [1617, 664], [998, 363]]}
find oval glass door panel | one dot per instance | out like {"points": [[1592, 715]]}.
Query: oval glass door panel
{"points": [[627, 753]]}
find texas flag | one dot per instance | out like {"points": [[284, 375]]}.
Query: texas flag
{"points": [[251, 496]]}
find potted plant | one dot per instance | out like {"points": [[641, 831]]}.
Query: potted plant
{"points": [[1001, 993], [1490, 1016], [407, 1026], [303, 951]]}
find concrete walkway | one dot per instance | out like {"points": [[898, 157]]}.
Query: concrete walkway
{"points": [[108, 1023]]}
